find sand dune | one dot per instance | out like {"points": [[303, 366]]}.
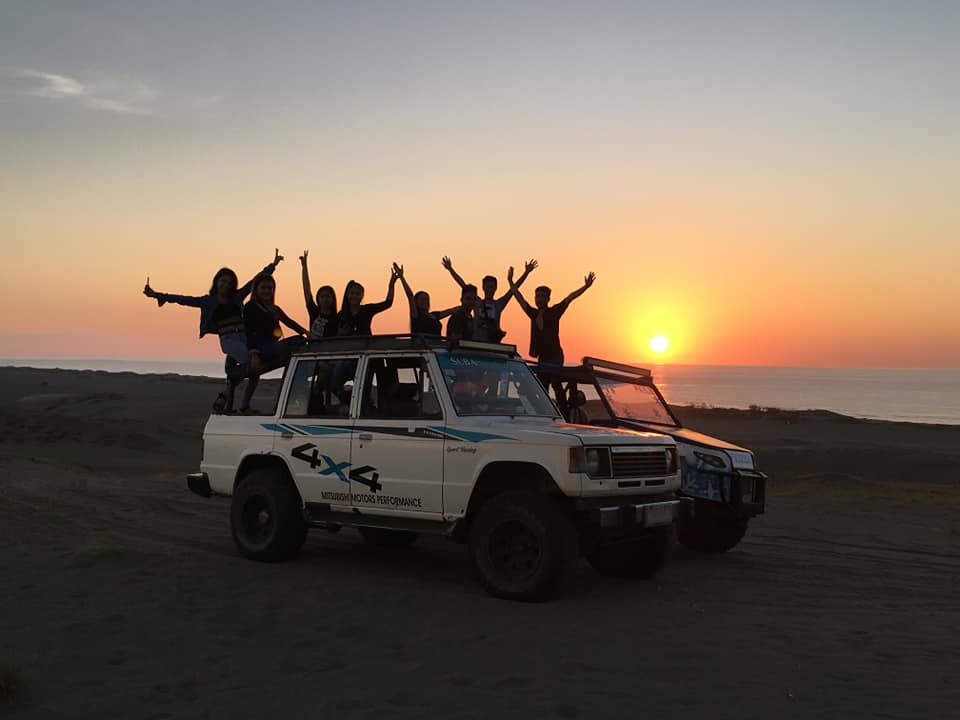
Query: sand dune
{"points": [[121, 594]]}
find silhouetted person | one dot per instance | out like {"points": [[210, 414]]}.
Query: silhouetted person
{"points": [[488, 309], [460, 325], [221, 309], [545, 319], [422, 320], [355, 317], [322, 311]]}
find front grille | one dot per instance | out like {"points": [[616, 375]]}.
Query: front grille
{"points": [[640, 464]]}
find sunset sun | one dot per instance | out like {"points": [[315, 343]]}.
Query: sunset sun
{"points": [[659, 344]]}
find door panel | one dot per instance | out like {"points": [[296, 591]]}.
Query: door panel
{"points": [[315, 429], [397, 445]]}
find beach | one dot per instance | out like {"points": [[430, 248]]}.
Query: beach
{"points": [[122, 595]]}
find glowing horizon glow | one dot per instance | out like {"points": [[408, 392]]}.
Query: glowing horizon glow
{"points": [[751, 212], [659, 344]]}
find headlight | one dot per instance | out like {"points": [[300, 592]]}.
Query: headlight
{"points": [[742, 459], [598, 462], [671, 458], [711, 460]]}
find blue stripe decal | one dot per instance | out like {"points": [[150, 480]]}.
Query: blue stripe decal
{"points": [[321, 429], [273, 427], [469, 436]]}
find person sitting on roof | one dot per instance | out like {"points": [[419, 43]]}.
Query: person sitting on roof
{"points": [[355, 317], [321, 310], [489, 308], [422, 320]]}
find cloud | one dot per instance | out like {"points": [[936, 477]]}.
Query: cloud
{"points": [[109, 95]]}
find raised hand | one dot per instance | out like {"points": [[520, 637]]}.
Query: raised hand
{"points": [[447, 263], [149, 291], [530, 265], [277, 257], [397, 271], [510, 275], [588, 280], [303, 258]]}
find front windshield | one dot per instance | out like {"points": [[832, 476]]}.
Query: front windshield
{"points": [[631, 401], [486, 385]]}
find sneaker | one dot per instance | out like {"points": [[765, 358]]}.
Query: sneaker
{"points": [[220, 404]]}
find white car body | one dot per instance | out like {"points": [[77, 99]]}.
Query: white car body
{"points": [[424, 467]]}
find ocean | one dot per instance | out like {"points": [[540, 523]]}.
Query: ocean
{"points": [[923, 396]]}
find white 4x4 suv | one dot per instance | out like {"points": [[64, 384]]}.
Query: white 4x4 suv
{"points": [[402, 435]]}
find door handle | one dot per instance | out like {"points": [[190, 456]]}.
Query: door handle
{"points": [[365, 437], [286, 435]]}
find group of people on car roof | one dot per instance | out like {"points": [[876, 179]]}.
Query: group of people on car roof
{"points": [[252, 340]]}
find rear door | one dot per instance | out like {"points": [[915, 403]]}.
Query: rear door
{"points": [[315, 426], [397, 448]]}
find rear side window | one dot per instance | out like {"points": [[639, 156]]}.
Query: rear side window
{"points": [[321, 388], [399, 388]]}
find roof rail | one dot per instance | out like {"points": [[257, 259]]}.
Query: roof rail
{"points": [[617, 367], [399, 341]]}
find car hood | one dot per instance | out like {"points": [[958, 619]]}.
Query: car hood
{"points": [[684, 435]]}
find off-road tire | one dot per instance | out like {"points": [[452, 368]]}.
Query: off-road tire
{"points": [[266, 517], [523, 546], [712, 528], [383, 537], [637, 557]]}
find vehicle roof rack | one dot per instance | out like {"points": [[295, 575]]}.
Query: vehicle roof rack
{"points": [[617, 368], [401, 341]]}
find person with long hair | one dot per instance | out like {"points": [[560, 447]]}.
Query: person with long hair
{"points": [[355, 316], [422, 320], [321, 310], [268, 348], [262, 317], [221, 309]]}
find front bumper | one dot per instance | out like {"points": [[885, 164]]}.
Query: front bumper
{"points": [[200, 484], [743, 491], [618, 515]]}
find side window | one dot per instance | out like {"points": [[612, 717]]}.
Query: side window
{"points": [[399, 388], [321, 388]]}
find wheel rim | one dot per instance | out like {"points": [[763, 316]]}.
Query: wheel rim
{"points": [[515, 551], [258, 520]]}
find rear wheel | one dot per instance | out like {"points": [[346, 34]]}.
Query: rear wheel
{"points": [[382, 537], [523, 546], [637, 557], [712, 528], [266, 517]]}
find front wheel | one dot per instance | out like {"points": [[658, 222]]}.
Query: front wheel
{"points": [[266, 517], [712, 528], [637, 557], [523, 546]]}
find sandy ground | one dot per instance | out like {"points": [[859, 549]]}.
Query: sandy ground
{"points": [[121, 595]]}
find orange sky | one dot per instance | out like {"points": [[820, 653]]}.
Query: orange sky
{"points": [[765, 197]]}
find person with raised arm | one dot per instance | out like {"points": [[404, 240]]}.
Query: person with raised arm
{"points": [[545, 319], [545, 328], [489, 308], [221, 309], [322, 311], [422, 321], [355, 317], [262, 317]]}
